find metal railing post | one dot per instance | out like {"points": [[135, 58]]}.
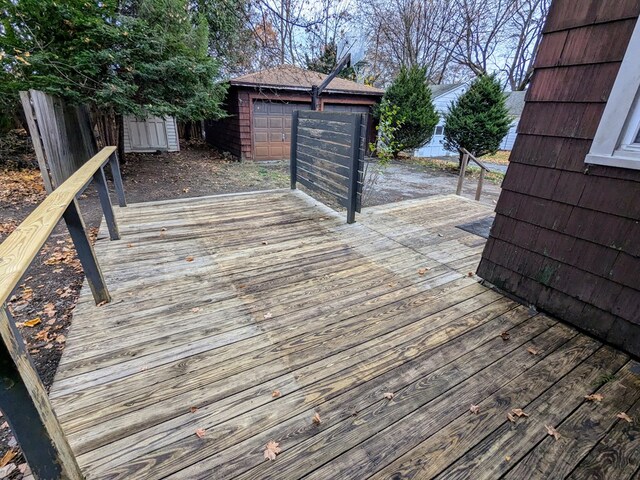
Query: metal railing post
{"points": [[117, 179], [293, 155], [105, 201], [27, 409]]}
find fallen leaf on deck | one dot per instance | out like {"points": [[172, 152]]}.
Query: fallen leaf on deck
{"points": [[470, 274], [193, 409], [104, 302], [505, 336], [422, 271], [189, 259], [474, 408], [267, 315], [594, 397], [275, 393], [33, 322], [200, 432], [163, 229], [624, 416], [316, 419], [553, 432], [519, 412], [532, 351], [196, 309], [507, 458], [511, 418], [271, 450], [7, 457], [389, 395], [129, 245]]}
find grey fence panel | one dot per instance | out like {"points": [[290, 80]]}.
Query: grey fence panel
{"points": [[327, 155]]}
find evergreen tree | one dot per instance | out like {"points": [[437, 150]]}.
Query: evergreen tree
{"points": [[415, 114], [479, 119], [149, 58], [328, 60]]}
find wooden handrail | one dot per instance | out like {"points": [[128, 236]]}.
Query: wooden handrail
{"points": [[23, 398], [21, 247], [466, 155]]}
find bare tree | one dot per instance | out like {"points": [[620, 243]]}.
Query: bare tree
{"points": [[481, 27], [406, 33], [525, 31]]}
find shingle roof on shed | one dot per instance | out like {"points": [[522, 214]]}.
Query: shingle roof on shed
{"points": [[288, 77]]}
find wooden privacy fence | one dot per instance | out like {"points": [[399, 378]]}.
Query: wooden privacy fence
{"points": [[466, 156], [327, 156], [61, 134], [23, 398]]}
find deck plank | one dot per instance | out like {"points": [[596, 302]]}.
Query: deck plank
{"points": [[219, 301]]}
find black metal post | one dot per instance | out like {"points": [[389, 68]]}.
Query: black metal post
{"points": [[293, 154], [105, 201], [87, 256], [117, 179], [353, 171], [26, 407], [315, 97]]}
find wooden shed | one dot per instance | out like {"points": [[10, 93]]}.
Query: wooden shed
{"points": [[260, 105], [566, 237], [150, 134]]}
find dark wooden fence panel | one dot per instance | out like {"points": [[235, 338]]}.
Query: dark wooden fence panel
{"points": [[327, 155]]}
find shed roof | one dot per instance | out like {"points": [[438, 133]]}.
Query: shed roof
{"points": [[288, 77]]}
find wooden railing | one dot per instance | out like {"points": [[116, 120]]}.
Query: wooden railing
{"points": [[23, 398], [466, 156]]}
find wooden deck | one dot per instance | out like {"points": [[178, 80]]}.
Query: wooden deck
{"points": [[220, 301]]}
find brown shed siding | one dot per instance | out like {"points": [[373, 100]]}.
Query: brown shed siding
{"points": [[234, 133], [567, 235]]}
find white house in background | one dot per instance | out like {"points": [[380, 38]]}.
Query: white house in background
{"points": [[443, 95], [150, 134]]}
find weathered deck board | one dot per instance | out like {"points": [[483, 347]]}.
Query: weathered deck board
{"points": [[219, 301]]}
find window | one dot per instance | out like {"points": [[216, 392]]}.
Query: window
{"points": [[617, 140], [439, 130]]}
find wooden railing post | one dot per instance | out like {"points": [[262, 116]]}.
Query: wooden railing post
{"points": [[293, 155], [87, 256], [480, 182], [117, 178], [105, 201], [463, 167], [27, 409]]}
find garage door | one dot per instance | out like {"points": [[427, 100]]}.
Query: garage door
{"points": [[272, 128]]}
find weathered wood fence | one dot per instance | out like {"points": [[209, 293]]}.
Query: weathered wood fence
{"points": [[62, 136], [466, 157], [23, 398], [327, 155]]}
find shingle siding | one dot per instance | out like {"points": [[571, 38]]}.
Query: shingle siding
{"points": [[566, 234]]}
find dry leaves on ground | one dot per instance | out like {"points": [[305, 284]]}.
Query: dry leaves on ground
{"points": [[594, 397], [474, 409], [553, 432], [519, 412], [511, 418], [505, 336], [625, 417], [271, 450], [7, 457], [33, 322]]}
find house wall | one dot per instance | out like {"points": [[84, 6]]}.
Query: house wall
{"points": [[566, 234], [510, 139], [234, 133]]}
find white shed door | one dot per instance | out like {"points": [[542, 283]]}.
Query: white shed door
{"points": [[148, 133]]}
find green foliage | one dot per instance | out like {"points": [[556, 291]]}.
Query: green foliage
{"points": [[479, 119], [416, 116], [150, 57], [389, 124], [328, 60]]}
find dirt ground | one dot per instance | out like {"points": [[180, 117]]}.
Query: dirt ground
{"points": [[42, 304]]}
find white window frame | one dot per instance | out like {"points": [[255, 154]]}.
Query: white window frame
{"points": [[614, 143]]}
